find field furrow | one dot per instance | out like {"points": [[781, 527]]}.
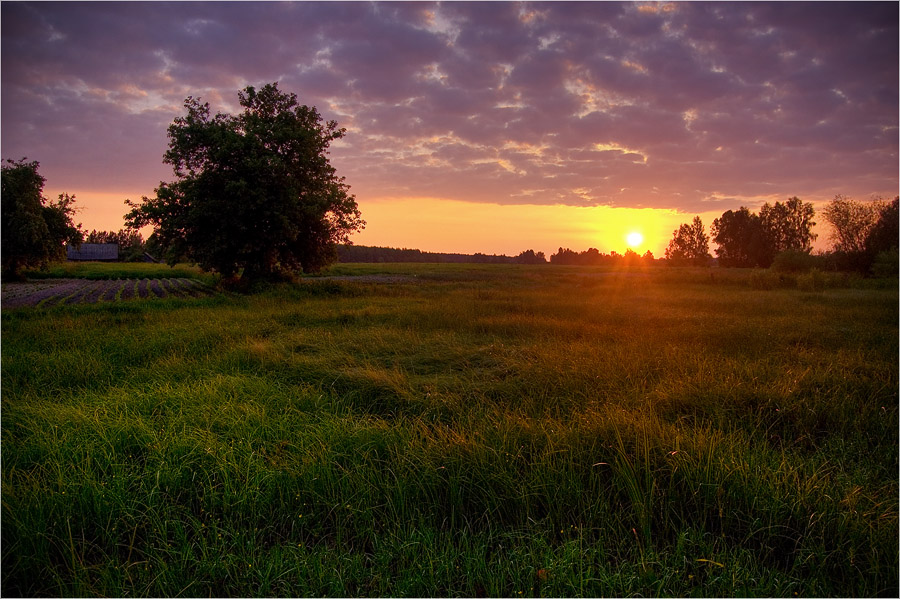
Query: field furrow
{"points": [[111, 290], [55, 292]]}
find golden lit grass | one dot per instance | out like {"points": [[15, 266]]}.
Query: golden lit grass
{"points": [[476, 430]]}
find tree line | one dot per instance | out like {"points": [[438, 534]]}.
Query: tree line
{"points": [[863, 233], [593, 257], [363, 253], [747, 239], [255, 197]]}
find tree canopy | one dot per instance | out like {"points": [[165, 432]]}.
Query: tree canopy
{"points": [[746, 239], [788, 226], [850, 222], [34, 231], [741, 239], [254, 192], [883, 236], [689, 243], [862, 230]]}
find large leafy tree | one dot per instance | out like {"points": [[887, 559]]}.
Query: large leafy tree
{"points": [[789, 225], [254, 192], [35, 231], [747, 239], [742, 239], [689, 243]]}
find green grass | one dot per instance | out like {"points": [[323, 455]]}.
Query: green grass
{"points": [[477, 430], [117, 270]]}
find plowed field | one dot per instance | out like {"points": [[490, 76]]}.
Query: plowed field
{"points": [[56, 292]]}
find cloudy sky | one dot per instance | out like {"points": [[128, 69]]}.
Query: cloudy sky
{"points": [[479, 126]]}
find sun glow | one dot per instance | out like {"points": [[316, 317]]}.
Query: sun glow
{"points": [[441, 225], [634, 239]]}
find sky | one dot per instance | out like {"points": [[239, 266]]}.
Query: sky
{"points": [[488, 127]]}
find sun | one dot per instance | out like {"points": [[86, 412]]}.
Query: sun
{"points": [[634, 239]]}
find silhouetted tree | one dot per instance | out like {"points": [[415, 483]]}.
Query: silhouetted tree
{"points": [[742, 239], [34, 232], [851, 222], [788, 226], [689, 244], [883, 235], [530, 257], [253, 191], [590, 256], [564, 257], [631, 258]]}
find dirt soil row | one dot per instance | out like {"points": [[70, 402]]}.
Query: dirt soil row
{"points": [[56, 292]]}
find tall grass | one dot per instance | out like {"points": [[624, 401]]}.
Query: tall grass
{"points": [[473, 431]]}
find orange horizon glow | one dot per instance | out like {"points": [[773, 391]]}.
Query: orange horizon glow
{"points": [[438, 225], [452, 226]]}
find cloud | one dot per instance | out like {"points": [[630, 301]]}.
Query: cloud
{"points": [[682, 105]]}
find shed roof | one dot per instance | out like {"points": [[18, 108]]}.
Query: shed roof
{"points": [[93, 251]]}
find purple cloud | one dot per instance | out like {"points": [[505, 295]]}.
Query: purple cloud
{"points": [[682, 105]]}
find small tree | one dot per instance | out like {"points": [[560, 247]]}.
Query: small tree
{"points": [[34, 232], [253, 191], [689, 243], [852, 222]]}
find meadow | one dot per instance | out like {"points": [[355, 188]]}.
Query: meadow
{"points": [[457, 430]]}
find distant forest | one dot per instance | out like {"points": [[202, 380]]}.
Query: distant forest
{"points": [[362, 253]]}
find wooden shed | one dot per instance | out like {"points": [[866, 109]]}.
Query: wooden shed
{"points": [[106, 252]]}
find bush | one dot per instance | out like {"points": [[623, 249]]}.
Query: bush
{"points": [[886, 264], [794, 261]]}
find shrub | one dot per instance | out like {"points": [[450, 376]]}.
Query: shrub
{"points": [[794, 261], [886, 264]]}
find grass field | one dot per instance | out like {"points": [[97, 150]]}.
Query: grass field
{"points": [[457, 430]]}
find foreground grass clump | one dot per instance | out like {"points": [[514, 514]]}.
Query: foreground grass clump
{"points": [[465, 430]]}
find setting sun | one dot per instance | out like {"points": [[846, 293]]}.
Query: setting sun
{"points": [[634, 239]]}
